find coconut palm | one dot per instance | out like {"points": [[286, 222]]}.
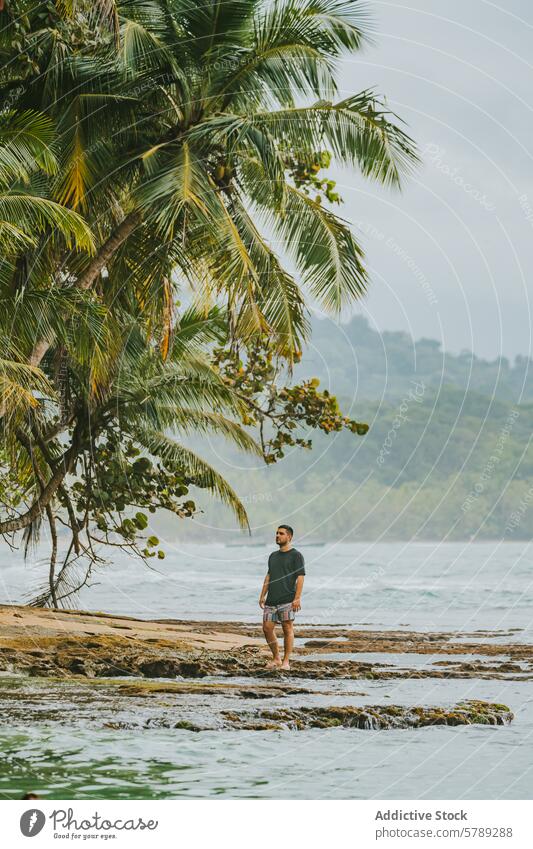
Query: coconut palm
{"points": [[124, 458], [179, 131], [177, 125]]}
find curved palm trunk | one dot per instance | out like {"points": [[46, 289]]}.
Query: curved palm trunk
{"points": [[95, 267]]}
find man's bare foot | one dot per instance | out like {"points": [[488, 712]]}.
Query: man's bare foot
{"points": [[274, 664], [285, 665]]}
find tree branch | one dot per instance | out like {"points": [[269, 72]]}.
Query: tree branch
{"points": [[62, 491], [65, 466], [53, 554], [25, 442]]}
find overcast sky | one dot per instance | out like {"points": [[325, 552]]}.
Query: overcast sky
{"points": [[451, 256]]}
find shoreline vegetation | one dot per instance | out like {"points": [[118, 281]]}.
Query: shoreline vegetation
{"points": [[204, 675]]}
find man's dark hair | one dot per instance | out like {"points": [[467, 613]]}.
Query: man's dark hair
{"points": [[287, 528]]}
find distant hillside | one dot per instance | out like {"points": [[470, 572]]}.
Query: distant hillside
{"points": [[448, 454], [353, 358]]}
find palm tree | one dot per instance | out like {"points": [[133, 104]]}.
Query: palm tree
{"points": [[178, 129], [125, 459], [177, 126]]}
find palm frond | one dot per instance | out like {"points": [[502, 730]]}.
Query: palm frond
{"points": [[357, 130], [141, 50], [198, 470], [34, 214], [189, 421], [324, 248], [196, 330], [278, 296], [25, 145], [21, 386], [294, 47]]}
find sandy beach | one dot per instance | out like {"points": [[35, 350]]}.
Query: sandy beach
{"points": [[27, 624]]}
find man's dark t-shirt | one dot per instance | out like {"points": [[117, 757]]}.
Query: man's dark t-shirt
{"points": [[283, 568]]}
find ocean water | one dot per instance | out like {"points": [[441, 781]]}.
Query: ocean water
{"points": [[426, 586], [432, 587]]}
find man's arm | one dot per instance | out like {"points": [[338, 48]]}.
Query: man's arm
{"points": [[264, 591], [296, 603]]}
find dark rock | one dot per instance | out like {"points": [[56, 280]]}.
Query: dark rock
{"points": [[188, 726], [192, 669], [160, 669], [376, 717]]}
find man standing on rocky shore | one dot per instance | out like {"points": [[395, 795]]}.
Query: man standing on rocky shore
{"points": [[281, 595]]}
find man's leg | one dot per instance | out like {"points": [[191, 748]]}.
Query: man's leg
{"points": [[288, 642], [269, 630]]}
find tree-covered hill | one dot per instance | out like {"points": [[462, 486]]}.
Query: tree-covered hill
{"points": [[447, 456], [358, 360]]}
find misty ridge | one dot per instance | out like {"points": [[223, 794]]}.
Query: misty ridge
{"points": [[382, 364], [448, 454]]}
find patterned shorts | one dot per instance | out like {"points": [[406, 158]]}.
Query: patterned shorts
{"points": [[278, 612]]}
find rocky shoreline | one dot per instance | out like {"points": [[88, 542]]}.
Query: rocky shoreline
{"points": [[130, 660], [94, 645]]}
